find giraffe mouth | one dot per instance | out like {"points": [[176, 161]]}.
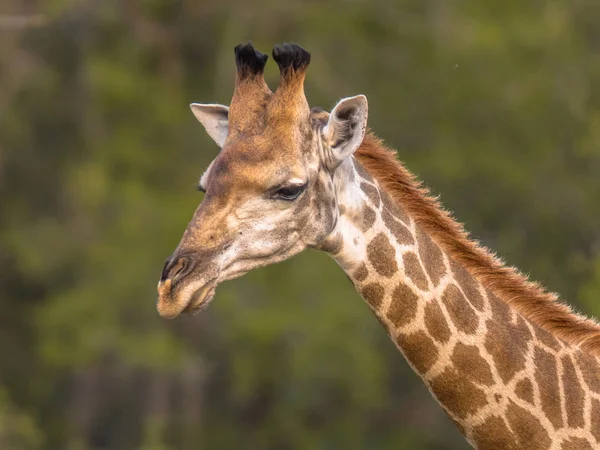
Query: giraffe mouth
{"points": [[201, 299], [172, 304]]}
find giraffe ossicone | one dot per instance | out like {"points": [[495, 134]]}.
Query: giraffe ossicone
{"points": [[511, 366]]}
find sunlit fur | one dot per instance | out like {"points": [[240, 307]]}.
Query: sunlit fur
{"points": [[529, 298]]}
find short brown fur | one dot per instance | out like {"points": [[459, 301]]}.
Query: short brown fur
{"points": [[529, 298]]}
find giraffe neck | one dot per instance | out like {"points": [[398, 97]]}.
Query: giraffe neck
{"points": [[505, 382]]}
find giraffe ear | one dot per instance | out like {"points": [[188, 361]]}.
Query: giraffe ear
{"points": [[215, 120], [346, 127]]}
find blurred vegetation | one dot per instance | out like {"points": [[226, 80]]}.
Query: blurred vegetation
{"points": [[494, 104]]}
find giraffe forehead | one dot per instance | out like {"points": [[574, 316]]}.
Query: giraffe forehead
{"points": [[271, 137], [254, 164], [267, 114]]}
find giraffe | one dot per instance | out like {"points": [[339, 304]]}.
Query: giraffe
{"points": [[512, 366]]}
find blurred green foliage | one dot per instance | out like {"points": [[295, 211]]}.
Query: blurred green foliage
{"points": [[17, 429], [494, 104]]}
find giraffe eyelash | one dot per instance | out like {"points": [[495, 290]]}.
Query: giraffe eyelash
{"points": [[288, 192]]}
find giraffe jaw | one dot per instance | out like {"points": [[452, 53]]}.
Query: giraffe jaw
{"points": [[201, 299]]}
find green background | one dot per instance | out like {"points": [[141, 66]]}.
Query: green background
{"points": [[495, 104]]}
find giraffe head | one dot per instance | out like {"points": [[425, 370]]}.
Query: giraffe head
{"points": [[269, 193]]}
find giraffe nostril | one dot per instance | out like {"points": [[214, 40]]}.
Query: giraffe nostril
{"points": [[175, 268], [178, 268], [165, 271]]}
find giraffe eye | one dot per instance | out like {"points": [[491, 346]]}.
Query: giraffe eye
{"points": [[289, 193]]}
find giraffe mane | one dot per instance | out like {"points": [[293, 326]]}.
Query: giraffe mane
{"points": [[529, 298]]}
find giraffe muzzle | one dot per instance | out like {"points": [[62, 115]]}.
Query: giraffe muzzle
{"points": [[185, 287], [190, 300]]}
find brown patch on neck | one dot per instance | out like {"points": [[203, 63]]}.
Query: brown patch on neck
{"points": [[528, 429], [575, 443], [574, 394], [528, 298]]}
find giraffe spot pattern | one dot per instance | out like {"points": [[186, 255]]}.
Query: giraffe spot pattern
{"points": [[372, 193], [369, 217], [468, 284], [432, 257], [361, 273], [596, 420], [500, 309], [590, 369], [403, 307], [470, 365], [524, 390], [461, 397], [436, 322], [394, 208], [373, 293], [460, 311], [382, 255], [506, 342], [362, 172], [419, 349], [522, 325], [501, 312], [574, 395], [547, 339], [399, 231], [576, 443], [414, 271], [529, 431], [508, 348], [546, 376], [493, 434]]}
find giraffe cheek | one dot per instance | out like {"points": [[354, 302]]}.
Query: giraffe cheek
{"points": [[317, 223]]}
